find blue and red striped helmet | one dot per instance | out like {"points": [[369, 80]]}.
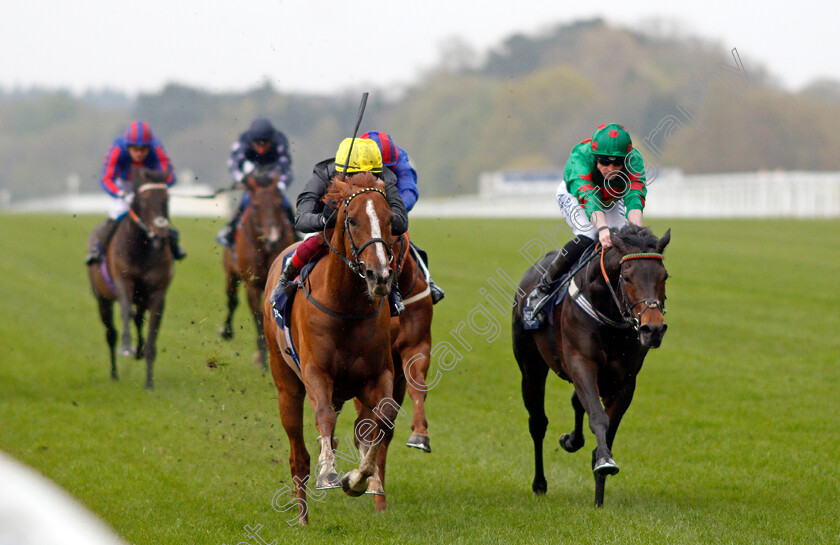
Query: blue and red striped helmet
{"points": [[138, 133], [390, 151]]}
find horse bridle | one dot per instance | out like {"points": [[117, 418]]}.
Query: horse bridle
{"points": [[137, 219], [356, 264], [627, 312]]}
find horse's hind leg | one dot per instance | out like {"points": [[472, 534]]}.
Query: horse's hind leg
{"points": [[572, 442], [534, 373], [290, 396], [139, 315], [106, 313]]}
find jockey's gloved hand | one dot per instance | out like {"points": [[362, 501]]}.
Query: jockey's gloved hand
{"points": [[247, 167], [327, 218]]}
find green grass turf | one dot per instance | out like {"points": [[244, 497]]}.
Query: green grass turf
{"points": [[731, 438]]}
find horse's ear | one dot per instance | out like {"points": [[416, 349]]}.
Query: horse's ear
{"points": [[666, 238], [617, 241]]}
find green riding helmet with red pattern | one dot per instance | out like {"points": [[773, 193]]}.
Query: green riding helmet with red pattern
{"points": [[611, 140]]}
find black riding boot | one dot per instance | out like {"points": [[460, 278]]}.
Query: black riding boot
{"points": [[395, 300], [437, 291], [177, 252], [99, 241], [561, 264], [287, 276]]}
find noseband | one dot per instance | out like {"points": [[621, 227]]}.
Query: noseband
{"points": [[627, 311], [136, 218], [356, 264]]}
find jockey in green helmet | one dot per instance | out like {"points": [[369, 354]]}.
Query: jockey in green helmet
{"points": [[603, 187]]}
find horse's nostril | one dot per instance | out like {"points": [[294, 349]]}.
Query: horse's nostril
{"points": [[646, 329]]}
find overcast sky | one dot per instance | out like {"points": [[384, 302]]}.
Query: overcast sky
{"points": [[321, 46]]}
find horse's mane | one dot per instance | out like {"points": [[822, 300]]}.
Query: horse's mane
{"points": [[361, 180], [638, 237]]}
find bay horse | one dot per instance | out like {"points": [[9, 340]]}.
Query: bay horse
{"points": [[340, 327], [137, 269], [262, 233], [597, 339]]}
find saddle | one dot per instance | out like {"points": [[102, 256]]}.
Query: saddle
{"points": [[281, 307], [558, 292]]}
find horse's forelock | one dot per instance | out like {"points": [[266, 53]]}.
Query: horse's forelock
{"points": [[337, 192], [638, 237]]}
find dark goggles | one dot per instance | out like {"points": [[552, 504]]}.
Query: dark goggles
{"points": [[606, 160], [139, 148], [261, 142]]}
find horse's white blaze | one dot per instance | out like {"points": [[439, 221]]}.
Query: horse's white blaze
{"points": [[160, 222], [274, 234], [376, 232]]}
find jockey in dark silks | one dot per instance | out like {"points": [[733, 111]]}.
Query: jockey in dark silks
{"points": [[395, 158], [603, 187], [137, 147], [264, 147], [313, 215]]}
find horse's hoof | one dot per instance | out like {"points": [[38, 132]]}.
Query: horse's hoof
{"points": [[328, 481], [125, 351], [353, 484], [539, 488], [375, 487], [605, 466], [226, 333], [569, 444], [419, 441]]}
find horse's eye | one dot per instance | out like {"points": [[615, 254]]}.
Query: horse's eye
{"points": [[626, 279], [667, 276], [351, 221]]}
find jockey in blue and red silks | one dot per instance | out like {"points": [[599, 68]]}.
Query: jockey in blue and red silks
{"points": [[137, 147], [396, 160]]}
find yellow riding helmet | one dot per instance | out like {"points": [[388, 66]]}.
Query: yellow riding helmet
{"points": [[365, 156]]}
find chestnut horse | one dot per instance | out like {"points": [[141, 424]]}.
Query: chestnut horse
{"points": [[139, 269], [263, 232], [597, 339], [411, 336], [340, 327]]}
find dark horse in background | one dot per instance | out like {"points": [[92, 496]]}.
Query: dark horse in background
{"points": [[260, 237], [139, 269], [600, 351], [341, 329]]}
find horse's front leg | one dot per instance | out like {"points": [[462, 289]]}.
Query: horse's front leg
{"points": [[125, 295], [615, 406], [319, 388], [374, 426], [572, 442], [415, 367], [155, 306], [584, 375], [231, 292]]}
